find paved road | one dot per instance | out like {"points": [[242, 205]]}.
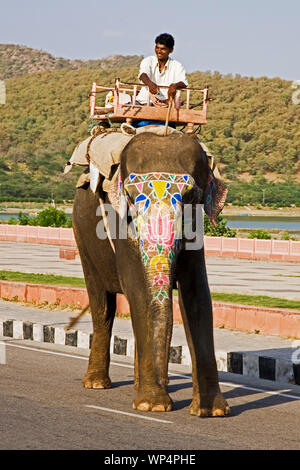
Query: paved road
{"points": [[43, 406], [272, 278]]}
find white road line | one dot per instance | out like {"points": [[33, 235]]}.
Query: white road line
{"points": [[129, 366], [269, 392], [128, 414], [2, 353], [45, 351]]}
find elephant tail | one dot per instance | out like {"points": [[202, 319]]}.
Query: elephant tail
{"points": [[74, 320]]}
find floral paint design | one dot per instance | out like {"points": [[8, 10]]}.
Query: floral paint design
{"points": [[157, 201]]}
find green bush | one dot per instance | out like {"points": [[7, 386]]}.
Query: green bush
{"points": [[221, 230], [12, 221], [50, 217], [260, 234], [286, 236], [24, 219]]}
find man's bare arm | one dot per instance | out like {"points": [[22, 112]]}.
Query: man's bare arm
{"points": [[152, 86]]}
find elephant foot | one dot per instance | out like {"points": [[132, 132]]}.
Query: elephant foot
{"points": [[149, 401], [96, 380], [209, 405]]}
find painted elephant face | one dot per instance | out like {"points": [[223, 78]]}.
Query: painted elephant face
{"points": [[156, 201]]}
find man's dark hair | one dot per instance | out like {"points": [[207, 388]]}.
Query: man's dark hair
{"points": [[166, 40]]}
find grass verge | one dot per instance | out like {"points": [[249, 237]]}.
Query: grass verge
{"points": [[33, 278], [257, 300], [52, 279]]}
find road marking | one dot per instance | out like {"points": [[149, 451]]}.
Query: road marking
{"points": [[45, 351], [128, 414], [269, 392], [129, 366], [2, 352], [233, 385]]}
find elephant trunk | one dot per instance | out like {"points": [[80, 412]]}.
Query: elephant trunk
{"points": [[158, 245]]}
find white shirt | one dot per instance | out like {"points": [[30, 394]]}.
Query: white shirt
{"points": [[172, 72]]}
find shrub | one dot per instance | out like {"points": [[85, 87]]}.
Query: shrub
{"points": [[12, 221], [260, 234], [286, 236], [24, 219], [221, 230], [50, 217]]}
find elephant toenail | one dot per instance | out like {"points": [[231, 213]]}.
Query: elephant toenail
{"points": [[158, 408], [144, 406]]}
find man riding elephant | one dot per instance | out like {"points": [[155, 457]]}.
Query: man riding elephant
{"points": [[161, 70]]}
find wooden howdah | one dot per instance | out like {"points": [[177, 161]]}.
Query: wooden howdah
{"points": [[180, 113]]}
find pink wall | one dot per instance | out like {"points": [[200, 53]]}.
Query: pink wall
{"points": [[26, 233], [284, 250]]}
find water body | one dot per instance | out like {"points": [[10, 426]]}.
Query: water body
{"points": [[233, 221], [263, 222], [7, 216]]}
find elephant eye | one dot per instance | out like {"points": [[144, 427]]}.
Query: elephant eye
{"points": [[188, 195], [191, 195]]}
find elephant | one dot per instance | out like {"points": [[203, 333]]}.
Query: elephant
{"points": [[159, 176]]}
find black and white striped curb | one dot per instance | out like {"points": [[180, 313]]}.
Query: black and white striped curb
{"points": [[244, 363]]}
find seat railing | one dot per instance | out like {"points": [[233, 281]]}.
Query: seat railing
{"points": [[183, 112]]}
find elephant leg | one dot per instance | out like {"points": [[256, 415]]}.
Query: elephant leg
{"points": [[152, 326], [136, 367], [97, 258], [151, 354], [196, 310], [165, 380], [97, 375], [103, 308]]}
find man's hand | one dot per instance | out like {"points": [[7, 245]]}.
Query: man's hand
{"points": [[172, 91], [157, 102], [174, 87], [153, 88]]}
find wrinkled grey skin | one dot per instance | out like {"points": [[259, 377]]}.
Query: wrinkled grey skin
{"points": [[107, 274]]}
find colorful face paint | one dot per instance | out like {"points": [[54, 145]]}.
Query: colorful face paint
{"points": [[157, 198]]}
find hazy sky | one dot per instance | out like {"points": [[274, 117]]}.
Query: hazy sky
{"points": [[253, 37]]}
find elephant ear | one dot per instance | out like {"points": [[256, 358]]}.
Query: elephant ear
{"points": [[114, 193], [214, 197]]}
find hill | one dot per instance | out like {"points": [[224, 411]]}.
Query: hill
{"points": [[18, 60], [253, 130]]}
